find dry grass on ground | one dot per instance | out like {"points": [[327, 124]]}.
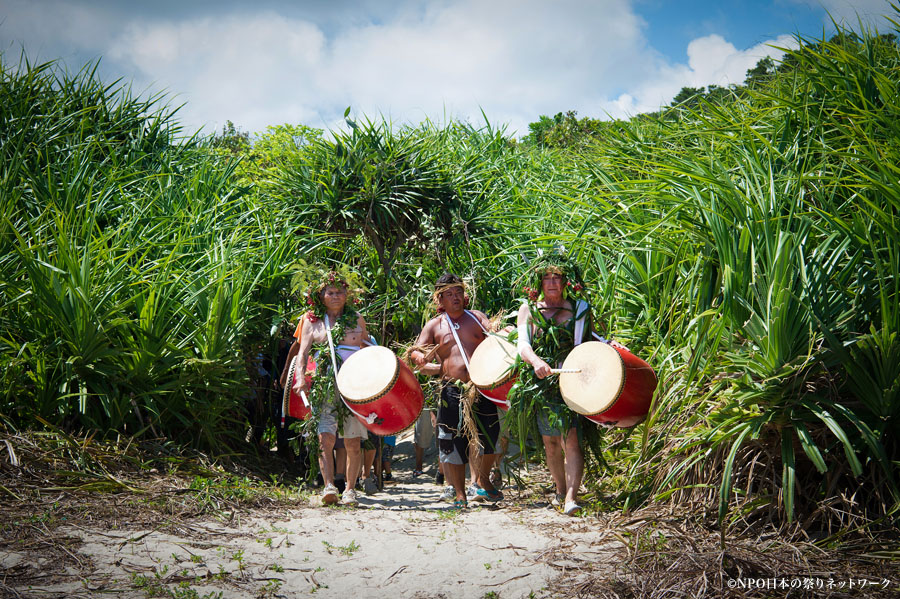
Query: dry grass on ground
{"points": [[52, 483]]}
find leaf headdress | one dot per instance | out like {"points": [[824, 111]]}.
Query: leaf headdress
{"points": [[310, 279], [556, 261]]}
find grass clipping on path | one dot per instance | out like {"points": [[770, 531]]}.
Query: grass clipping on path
{"points": [[670, 552], [52, 476], [51, 480]]}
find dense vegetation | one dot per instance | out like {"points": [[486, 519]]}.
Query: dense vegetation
{"points": [[745, 242]]}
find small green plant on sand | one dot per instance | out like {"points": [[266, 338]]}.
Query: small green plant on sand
{"points": [[347, 550]]}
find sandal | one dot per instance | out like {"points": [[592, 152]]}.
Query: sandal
{"points": [[483, 494], [460, 504]]}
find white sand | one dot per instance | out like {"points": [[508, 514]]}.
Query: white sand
{"points": [[401, 542]]}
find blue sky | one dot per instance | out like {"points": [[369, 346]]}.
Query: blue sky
{"points": [[270, 62], [672, 25]]}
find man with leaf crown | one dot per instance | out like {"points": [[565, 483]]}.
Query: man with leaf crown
{"points": [[551, 322], [329, 324]]}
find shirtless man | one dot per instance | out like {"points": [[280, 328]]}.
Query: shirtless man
{"points": [[330, 300], [470, 327]]}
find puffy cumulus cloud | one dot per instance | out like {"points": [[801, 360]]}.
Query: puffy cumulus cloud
{"points": [[247, 69], [711, 61], [514, 59], [273, 62]]}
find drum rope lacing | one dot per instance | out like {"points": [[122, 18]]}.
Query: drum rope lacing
{"points": [[286, 394], [287, 389]]}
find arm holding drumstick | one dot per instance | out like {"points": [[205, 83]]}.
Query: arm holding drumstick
{"points": [[423, 358], [423, 353], [541, 368]]}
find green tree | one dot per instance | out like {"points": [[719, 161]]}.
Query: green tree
{"points": [[282, 144], [232, 140], [688, 97], [408, 189], [563, 130], [761, 74]]}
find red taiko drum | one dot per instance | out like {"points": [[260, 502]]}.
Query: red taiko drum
{"points": [[613, 386], [381, 390], [293, 405], [492, 369]]}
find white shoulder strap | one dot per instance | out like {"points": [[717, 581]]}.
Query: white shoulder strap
{"points": [[459, 344], [331, 347], [582, 308], [371, 417], [477, 320]]}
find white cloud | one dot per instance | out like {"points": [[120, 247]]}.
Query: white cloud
{"points": [[257, 66], [228, 68], [711, 61], [514, 59]]}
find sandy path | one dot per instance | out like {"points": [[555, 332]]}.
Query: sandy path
{"points": [[401, 542]]}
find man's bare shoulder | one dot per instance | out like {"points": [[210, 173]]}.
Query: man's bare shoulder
{"points": [[433, 322], [483, 319], [314, 327], [432, 325]]}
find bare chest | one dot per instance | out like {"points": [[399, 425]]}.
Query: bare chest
{"points": [[557, 315], [319, 333], [469, 333]]}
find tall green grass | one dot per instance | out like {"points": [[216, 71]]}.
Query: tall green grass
{"points": [[748, 249], [137, 281]]}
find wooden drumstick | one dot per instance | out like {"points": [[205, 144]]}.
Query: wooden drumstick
{"points": [[427, 358], [565, 370], [430, 355]]}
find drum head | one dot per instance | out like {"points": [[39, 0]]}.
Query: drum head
{"points": [[492, 361], [367, 373], [600, 381]]}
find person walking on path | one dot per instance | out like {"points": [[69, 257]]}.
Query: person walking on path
{"points": [[550, 324], [335, 332], [456, 332]]}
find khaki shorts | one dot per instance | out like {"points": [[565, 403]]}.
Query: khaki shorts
{"points": [[353, 428], [423, 435]]}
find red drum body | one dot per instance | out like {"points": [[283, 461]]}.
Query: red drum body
{"points": [[613, 386], [293, 405], [492, 369], [381, 390]]}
